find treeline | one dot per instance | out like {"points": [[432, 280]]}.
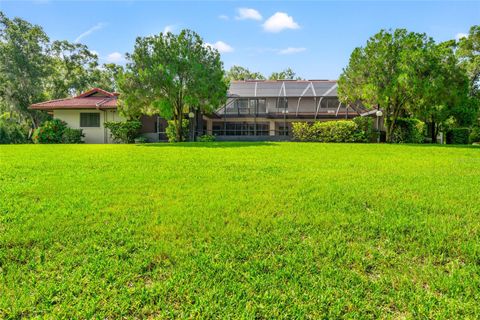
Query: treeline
{"points": [[236, 73], [409, 75]]}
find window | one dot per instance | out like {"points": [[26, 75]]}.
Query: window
{"points": [[89, 120]]}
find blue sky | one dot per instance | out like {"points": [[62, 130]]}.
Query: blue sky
{"points": [[313, 38]]}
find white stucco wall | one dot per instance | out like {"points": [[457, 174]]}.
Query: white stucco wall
{"points": [[92, 135]]}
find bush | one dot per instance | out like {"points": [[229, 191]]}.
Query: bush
{"points": [[72, 135], [366, 124], [12, 132], [124, 132], [458, 136], [171, 132], [409, 130], [329, 131], [206, 138], [50, 132], [474, 135], [302, 131]]}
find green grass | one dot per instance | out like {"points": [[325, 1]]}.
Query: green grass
{"points": [[239, 230]]}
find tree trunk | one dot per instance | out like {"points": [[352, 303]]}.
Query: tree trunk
{"points": [[389, 126], [433, 132], [178, 127]]}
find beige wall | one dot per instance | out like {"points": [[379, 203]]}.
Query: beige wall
{"points": [[92, 135]]}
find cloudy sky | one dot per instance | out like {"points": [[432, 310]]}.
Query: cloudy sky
{"points": [[314, 38]]}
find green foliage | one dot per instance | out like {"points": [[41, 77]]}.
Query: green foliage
{"points": [[468, 52], [329, 131], [409, 130], [206, 138], [11, 131], [124, 132], [239, 230], [72, 135], [458, 136], [474, 135], [50, 131], [287, 74], [236, 73], [171, 75], [171, 130], [405, 74], [23, 64], [366, 124]]}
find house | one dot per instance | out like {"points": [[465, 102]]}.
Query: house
{"points": [[254, 110], [265, 109], [90, 110]]}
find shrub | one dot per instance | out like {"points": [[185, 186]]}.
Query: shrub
{"points": [[458, 136], [474, 135], [409, 130], [12, 132], [124, 132], [366, 124], [329, 131], [72, 135], [171, 132], [302, 131], [206, 138], [50, 132]]}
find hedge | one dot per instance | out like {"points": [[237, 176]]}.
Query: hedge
{"points": [[124, 132], [329, 131], [409, 130], [458, 136]]}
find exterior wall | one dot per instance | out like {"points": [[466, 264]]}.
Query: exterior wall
{"points": [[92, 135]]}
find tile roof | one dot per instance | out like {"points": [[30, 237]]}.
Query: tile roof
{"points": [[95, 98]]}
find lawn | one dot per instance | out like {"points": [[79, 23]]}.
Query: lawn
{"points": [[239, 230]]}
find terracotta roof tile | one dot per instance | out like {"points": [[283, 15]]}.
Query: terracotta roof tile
{"points": [[95, 98]]}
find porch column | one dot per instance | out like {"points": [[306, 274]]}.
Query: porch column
{"points": [[209, 126], [272, 128]]}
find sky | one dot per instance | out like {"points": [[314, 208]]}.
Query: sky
{"points": [[314, 38]]}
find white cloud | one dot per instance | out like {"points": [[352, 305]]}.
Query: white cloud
{"points": [[248, 13], [461, 35], [115, 57], [96, 27], [223, 17], [221, 46], [291, 50], [280, 21], [169, 28]]}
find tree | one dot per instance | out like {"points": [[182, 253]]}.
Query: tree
{"points": [[241, 73], [443, 99], [106, 76], [23, 65], [468, 51], [74, 69], [386, 74], [287, 74], [173, 74]]}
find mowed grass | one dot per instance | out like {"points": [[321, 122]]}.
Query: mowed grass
{"points": [[239, 230]]}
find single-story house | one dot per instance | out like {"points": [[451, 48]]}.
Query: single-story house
{"points": [[254, 110]]}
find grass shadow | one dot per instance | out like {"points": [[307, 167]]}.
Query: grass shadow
{"points": [[236, 144], [432, 145]]}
